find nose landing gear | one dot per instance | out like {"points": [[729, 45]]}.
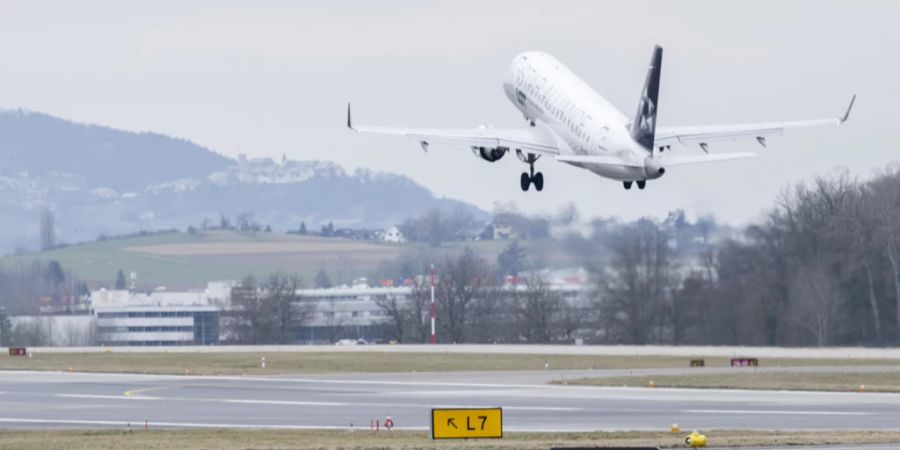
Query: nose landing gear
{"points": [[530, 177]]}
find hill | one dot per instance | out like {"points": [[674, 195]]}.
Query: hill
{"points": [[43, 145], [182, 260], [97, 180]]}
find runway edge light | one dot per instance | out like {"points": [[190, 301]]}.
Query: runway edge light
{"points": [[695, 440]]}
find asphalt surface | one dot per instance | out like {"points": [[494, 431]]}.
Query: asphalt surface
{"points": [[80, 400]]}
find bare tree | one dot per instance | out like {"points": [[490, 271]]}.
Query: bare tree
{"points": [[461, 281], [538, 307], [288, 309], [815, 303], [883, 206], [344, 271], [334, 321], [638, 283], [249, 325], [398, 315], [271, 313]]}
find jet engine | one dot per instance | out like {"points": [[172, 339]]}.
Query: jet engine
{"points": [[653, 168], [490, 154]]}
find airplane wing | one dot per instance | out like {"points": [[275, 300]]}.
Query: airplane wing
{"points": [[710, 133], [665, 161], [530, 139]]}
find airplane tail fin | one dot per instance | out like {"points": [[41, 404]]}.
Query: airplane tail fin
{"points": [[643, 127]]}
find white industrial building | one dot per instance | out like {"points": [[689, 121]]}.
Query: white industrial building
{"points": [[160, 318], [202, 317], [347, 312]]}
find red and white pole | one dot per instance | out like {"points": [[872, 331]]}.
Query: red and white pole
{"points": [[433, 309]]}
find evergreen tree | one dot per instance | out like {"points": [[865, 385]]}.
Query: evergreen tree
{"points": [[48, 230], [54, 274], [512, 259], [120, 280], [322, 281]]}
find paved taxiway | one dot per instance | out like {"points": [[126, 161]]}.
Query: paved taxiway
{"points": [[53, 399]]}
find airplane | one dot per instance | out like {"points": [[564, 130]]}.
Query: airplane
{"points": [[572, 123]]}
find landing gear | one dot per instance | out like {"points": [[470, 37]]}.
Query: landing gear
{"points": [[531, 176], [641, 184]]}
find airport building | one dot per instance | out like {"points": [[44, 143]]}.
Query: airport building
{"points": [[348, 313], [344, 314], [160, 318]]}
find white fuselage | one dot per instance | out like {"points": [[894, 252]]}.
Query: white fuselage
{"points": [[580, 119]]}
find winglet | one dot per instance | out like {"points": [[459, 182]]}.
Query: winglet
{"points": [[349, 122], [847, 114]]}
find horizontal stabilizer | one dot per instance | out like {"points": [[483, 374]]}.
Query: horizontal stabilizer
{"points": [[667, 161], [598, 159], [683, 160]]}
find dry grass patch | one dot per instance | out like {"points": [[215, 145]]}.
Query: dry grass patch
{"points": [[228, 363], [315, 362], [315, 439]]}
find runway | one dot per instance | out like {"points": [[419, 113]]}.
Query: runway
{"points": [[81, 400]]}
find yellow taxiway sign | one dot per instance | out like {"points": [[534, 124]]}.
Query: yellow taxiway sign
{"points": [[466, 423]]}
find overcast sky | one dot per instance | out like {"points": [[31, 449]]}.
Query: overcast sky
{"points": [[272, 78]]}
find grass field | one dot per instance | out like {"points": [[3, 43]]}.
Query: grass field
{"points": [[820, 381], [316, 362], [299, 362], [181, 260], [364, 439]]}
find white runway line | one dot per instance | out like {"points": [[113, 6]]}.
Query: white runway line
{"points": [[776, 412], [280, 402], [309, 403], [107, 397], [315, 403], [541, 408], [151, 424]]}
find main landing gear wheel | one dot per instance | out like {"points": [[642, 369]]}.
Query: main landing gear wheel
{"points": [[627, 185], [538, 181], [531, 176], [642, 184], [525, 181]]}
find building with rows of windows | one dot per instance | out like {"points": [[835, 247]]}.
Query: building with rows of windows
{"points": [[160, 318], [207, 316]]}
